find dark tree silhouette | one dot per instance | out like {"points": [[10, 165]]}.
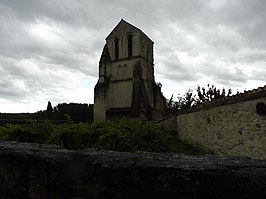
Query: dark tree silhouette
{"points": [[77, 112], [49, 110], [187, 100], [211, 93], [200, 96]]}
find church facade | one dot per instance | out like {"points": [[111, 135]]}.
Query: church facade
{"points": [[126, 86]]}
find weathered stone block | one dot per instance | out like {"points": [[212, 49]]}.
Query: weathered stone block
{"points": [[45, 171]]}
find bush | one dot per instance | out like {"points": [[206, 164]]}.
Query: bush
{"points": [[31, 131], [123, 135]]}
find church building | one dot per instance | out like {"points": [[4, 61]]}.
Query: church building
{"points": [[126, 85]]}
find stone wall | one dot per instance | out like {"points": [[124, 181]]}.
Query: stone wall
{"points": [[45, 171], [227, 127], [169, 122]]}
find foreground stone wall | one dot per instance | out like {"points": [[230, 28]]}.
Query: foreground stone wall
{"points": [[230, 127], [43, 171]]}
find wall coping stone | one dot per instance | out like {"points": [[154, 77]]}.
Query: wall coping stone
{"points": [[30, 170]]}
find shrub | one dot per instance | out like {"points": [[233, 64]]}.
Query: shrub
{"points": [[123, 135]]}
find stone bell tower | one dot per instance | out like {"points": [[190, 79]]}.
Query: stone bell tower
{"points": [[126, 86]]}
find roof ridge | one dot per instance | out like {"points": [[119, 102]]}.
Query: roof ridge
{"points": [[135, 27]]}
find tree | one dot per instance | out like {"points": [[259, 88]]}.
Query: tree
{"points": [[77, 112], [49, 110], [187, 100], [211, 93], [203, 95], [170, 103]]}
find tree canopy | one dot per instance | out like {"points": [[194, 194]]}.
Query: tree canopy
{"points": [[198, 96]]}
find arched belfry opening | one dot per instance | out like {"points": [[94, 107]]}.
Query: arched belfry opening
{"points": [[116, 48], [129, 45], [126, 85]]}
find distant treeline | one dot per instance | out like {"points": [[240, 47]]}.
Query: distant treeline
{"points": [[58, 114]]}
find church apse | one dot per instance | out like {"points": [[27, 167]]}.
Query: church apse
{"points": [[126, 85]]}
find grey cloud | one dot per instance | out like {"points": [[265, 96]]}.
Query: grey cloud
{"points": [[31, 10], [259, 72], [68, 12], [247, 18], [229, 79], [228, 34], [11, 90], [172, 69], [11, 94]]}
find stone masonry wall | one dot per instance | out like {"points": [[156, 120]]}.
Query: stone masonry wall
{"points": [[232, 127], [168, 122], [43, 171]]}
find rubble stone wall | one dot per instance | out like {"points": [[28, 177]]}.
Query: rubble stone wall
{"points": [[45, 171], [235, 126]]}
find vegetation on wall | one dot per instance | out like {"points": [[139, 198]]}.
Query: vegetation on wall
{"points": [[198, 96], [122, 135]]}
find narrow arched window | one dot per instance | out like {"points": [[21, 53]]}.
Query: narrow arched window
{"points": [[116, 49], [148, 53], [129, 45]]}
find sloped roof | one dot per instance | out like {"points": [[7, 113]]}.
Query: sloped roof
{"points": [[132, 26], [105, 54]]}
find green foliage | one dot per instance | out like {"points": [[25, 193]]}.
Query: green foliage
{"points": [[6, 131], [211, 93], [200, 95], [123, 135], [187, 100], [171, 104], [77, 112], [133, 136], [32, 131]]}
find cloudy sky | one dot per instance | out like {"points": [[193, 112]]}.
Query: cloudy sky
{"points": [[49, 50]]}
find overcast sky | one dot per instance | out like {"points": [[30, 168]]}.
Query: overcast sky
{"points": [[49, 50]]}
